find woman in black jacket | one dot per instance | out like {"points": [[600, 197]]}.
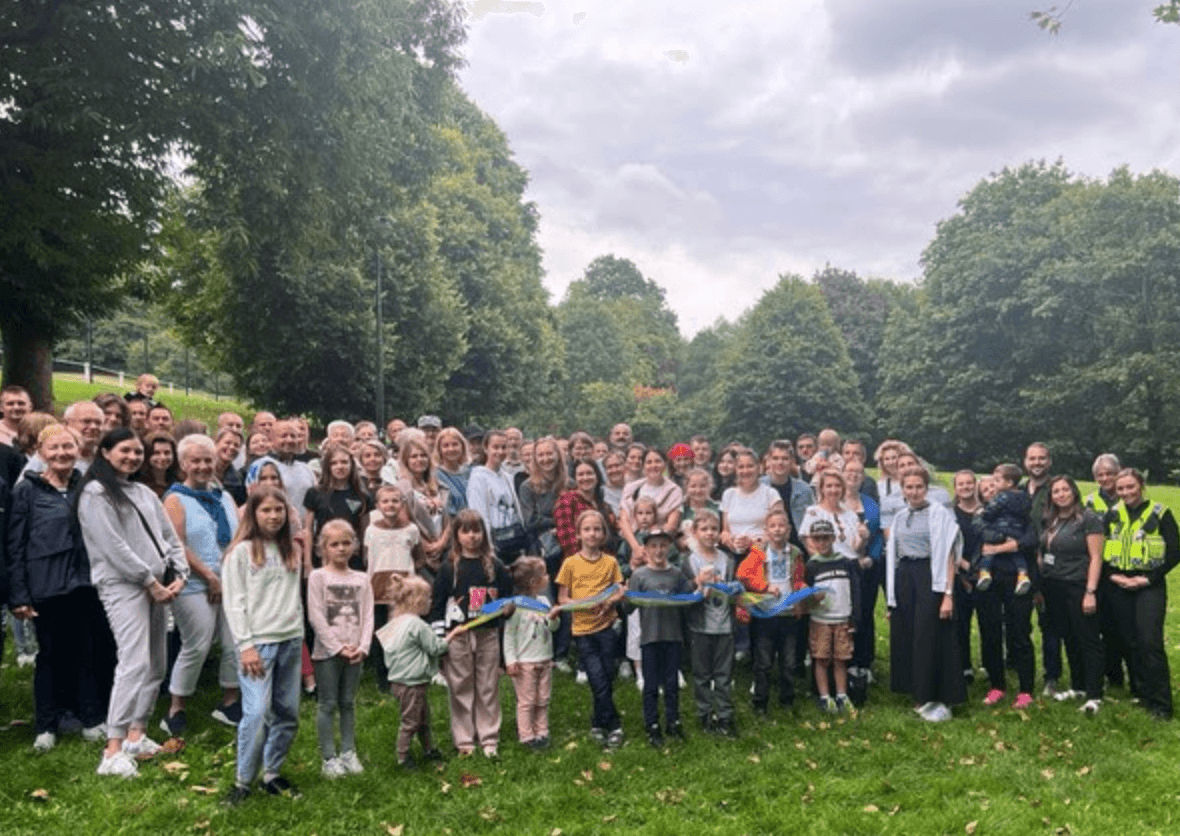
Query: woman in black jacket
{"points": [[49, 579]]}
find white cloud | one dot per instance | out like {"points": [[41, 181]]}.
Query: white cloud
{"points": [[801, 132]]}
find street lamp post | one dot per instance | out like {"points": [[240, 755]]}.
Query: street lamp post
{"points": [[380, 350]]}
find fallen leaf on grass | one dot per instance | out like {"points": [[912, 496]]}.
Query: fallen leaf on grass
{"points": [[967, 761], [175, 766], [609, 819], [40, 794], [204, 790], [201, 824], [588, 774], [671, 796], [467, 780], [970, 828], [824, 726], [890, 736], [811, 764], [557, 831], [1085, 770], [489, 814], [394, 829], [871, 808], [1047, 774], [573, 744], [445, 788], [1023, 715], [605, 766], [800, 745], [754, 759], [894, 811]]}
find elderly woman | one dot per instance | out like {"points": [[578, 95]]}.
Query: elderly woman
{"points": [[205, 518], [49, 576], [920, 561], [1142, 546], [137, 564], [1071, 565]]}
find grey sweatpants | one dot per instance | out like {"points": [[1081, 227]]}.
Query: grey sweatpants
{"points": [[712, 674], [138, 625]]}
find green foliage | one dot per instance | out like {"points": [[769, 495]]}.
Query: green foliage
{"points": [[1048, 312], [787, 369]]}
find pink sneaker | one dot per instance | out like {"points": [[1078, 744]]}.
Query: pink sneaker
{"points": [[1022, 701], [993, 697]]}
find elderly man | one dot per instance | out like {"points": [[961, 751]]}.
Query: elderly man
{"points": [[297, 476], [85, 419], [620, 437]]}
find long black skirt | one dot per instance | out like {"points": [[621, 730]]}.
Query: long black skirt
{"points": [[924, 659]]}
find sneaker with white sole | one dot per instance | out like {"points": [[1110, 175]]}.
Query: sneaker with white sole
{"points": [[26, 660], [93, 734], [639, 684], [229, 713], [680, 679], [625, 672], [45, 741], [581, 678], [351, 763], [562, 666], [332, 768], [1091, 707], [145, 747], [120, 764], [1068, 694]]}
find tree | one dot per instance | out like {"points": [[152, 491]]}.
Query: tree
{"points": [[95, 97], [787, 369], [1048, 313]]}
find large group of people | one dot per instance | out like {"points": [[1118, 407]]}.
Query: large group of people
{"points": [[455, 555]]}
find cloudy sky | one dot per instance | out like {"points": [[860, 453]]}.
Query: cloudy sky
{"points": [[719, 144]]}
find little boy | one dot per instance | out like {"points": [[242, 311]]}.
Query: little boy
{"points": [[661, 640], [775, 567], [833, 613], [711, 625], [1006, 516]]}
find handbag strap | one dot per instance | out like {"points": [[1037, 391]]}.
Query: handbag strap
{"points": [[148, 529]]}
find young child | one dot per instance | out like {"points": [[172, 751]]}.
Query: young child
{"points": [[393, 544], [528, 653], [260, 594], [711, 625], [412, 651], [340, 607], [582, 575], [833, 613], [698, 485], [1006, 515], [646, 513], [471, 578], [661, 641], [775, 567]]}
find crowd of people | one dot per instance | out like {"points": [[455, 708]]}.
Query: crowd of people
{"points": [[134, 543]]}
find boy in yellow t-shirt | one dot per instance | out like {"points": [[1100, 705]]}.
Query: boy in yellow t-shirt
{"points": [[583, 575]]}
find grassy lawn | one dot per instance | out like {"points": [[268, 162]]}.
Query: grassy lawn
{"points": [[202, 407]]}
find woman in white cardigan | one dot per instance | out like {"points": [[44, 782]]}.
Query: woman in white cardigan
{"points": [[920, 557]]}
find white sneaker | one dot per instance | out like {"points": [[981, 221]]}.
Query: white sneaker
{"points": [[351, 763], [563, 666], [625, 671], [26, 660], [145, 747], [119, 764], [680, 677], [1091, 707], [935, 712], [639, 683], [581, 678], [93, 734], [332, 768], [45, 741], [1068, 694]]}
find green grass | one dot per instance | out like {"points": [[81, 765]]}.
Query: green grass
{"points": [[202, 407], [1048, 770]]}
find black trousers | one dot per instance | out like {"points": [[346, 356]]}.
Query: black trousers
{"points": [[1139, 615], [923, 648], [76, 660], [1080, 632], [1005, 617], [774, 638]]}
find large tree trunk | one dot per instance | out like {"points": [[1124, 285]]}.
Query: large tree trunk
{"points": [[28, 362]]}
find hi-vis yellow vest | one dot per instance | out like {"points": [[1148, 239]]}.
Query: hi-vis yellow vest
{"points": [[1096, 503], [1135, 545]]}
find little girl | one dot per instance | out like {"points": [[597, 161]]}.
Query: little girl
{"points": [[411, 655], [260, 586], [528, 654], [392, 543], [340, 606], [645, 520], [582, 575], [471, 578]]}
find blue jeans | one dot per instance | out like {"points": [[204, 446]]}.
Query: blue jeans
{"points": [[597, 652], [270, 710]]}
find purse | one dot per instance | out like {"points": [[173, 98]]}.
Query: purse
{"points": [[170, 573]]}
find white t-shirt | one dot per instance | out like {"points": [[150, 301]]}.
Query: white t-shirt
{"points": [[844, 523], [745, 513], [391, 549]]}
